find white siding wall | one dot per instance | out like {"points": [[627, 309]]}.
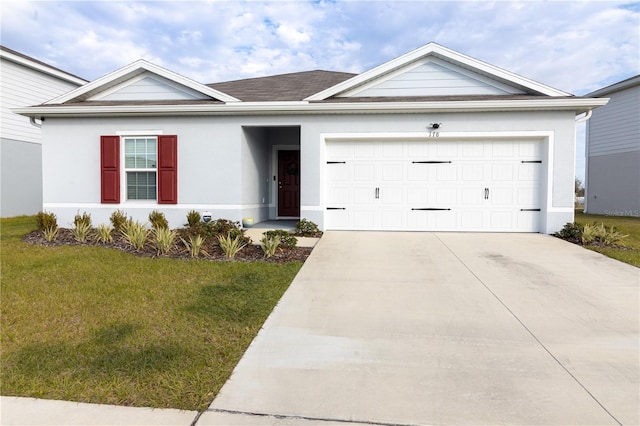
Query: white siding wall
{"points": [[23, 86], [615, 127]]}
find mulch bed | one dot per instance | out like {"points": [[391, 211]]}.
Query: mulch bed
{"points": [[250, 253]]}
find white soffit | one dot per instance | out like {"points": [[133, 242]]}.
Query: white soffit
{"points": [[122, 75], [442, 53]]}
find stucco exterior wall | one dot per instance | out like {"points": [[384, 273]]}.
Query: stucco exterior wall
{"points": [[220, 166]]}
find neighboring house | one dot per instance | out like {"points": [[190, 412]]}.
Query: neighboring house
{"points": [[432, 140], [24, 81], [613, 152]]}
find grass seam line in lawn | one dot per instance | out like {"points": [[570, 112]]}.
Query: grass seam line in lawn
{"points": [[532, 334], [309, 418]]}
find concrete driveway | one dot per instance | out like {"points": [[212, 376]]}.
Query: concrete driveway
{"points": [[444, 328]]}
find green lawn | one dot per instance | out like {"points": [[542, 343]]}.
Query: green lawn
{"points": [[627, 225], [97, 325]]}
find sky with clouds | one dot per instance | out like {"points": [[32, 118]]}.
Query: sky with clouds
{"points": [[574, 46]]}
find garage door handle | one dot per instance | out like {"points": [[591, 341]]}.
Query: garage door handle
{"points": [[377, 193], [430, 209], [529, 210], [336, 208], [431, 162], [486, 193]]}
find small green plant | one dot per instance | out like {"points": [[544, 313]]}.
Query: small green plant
{"points": [[307, 228], [589, 233], [103, 233], [46, 220], [613, 237], [135, 233], [286, 239], [570, 231], [118, 220], [81, 231], [164, 239], [193, 218], [194, 245], [50, 233], [270, 244], [82, 219], [231, 245], [158, 220]]}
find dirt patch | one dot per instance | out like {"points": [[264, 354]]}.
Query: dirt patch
{"points": [[210, 250]]}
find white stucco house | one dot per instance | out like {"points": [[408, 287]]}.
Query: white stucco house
{"points": [[431, 140], [613, 152], [24, 81]]}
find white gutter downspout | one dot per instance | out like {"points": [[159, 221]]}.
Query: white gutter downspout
{"points": [[586, 156], [32, 120]]}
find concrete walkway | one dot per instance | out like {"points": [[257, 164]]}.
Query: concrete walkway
{"points": [[421, 329]]}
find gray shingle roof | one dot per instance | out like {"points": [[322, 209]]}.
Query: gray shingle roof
{"points": [[283, 87]]}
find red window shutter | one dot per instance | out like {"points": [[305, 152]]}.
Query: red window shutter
{"points": [[110, 169], [168, 169]]}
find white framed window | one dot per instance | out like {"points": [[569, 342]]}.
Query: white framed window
{"points": [[140, 167]]}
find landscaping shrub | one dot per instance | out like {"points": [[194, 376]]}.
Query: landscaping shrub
{"points": [[164, 239], [50, 233], [135, 233], [286, 239], [82, 219], [570, 231], [118, 220], [231, 245], [158, 220], [103, 233], [307, 228], [193, 218], [81, 230], [46, 220], [194, 245], [270, 244]]}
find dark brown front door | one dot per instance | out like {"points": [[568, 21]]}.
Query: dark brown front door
{"points": [[289, 183]]}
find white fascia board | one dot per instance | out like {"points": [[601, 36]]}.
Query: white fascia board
{"points": [[42, 68], [134, 69], [578, 105], [442, 53]]}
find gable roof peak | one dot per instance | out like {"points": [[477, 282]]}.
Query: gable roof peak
{"points": [[132, 70], [438, 51]]}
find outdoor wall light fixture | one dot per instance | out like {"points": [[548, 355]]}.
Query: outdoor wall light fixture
{"points": [[435, 125]]}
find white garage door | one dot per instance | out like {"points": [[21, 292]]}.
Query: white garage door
{"points": [[434, 185]]}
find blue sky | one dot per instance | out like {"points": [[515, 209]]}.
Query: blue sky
{"points": [[575, 46]]}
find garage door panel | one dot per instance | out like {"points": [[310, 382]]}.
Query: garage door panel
{"points": [[364, 172], [501, 220], [393, 172], [337, 173], [472, 172], [363, 196], [474, 185], [362, 150], [446, 172], [502, 172]]}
